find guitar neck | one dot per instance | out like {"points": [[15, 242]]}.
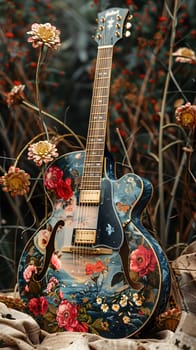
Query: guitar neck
{"points": [[95, 146]]}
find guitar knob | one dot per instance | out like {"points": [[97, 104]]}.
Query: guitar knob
{"points": [[128, 25], [127, 33]]}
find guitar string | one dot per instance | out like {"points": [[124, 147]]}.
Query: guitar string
{"points": [[91, 139], [99, 104], [99, 110]]}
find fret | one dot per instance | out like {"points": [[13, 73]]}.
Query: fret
{"points": [[95, 146]]}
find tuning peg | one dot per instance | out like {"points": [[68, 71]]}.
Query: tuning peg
{"points": [[117, 34], [127, 33], [128, 25], [98, 36], [130, 17], [118, 17]]}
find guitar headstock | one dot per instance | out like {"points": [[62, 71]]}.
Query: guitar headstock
{"points": [[111, 25]]}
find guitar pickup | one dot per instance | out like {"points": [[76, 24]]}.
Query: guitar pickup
{"points": [[84, 236], [90, 196]]}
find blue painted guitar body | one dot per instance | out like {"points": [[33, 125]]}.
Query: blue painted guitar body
{"points": [[113, 287]]}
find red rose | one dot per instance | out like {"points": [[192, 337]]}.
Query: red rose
{"points": [[66, 316], [93, 268], [90, 269], [38, 306], [143, 261], [99, 266], [82, 327], [63, 189], [52, 177]]}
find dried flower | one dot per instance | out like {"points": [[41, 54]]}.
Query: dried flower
{"points": [[16, 95], [16, 181], [185, 55], [44, 34], [42, 152], [186, 115]]}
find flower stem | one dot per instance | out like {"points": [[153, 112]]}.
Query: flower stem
{"points": [[162, 114], [29, 105], [38, 100]]}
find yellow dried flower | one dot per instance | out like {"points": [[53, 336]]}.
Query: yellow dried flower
{"points": [[186, 115], [16, 95], [16, 181], [185, 55], [44, 34], [42, 152]]}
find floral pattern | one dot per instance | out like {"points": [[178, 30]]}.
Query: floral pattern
{"points": [[84, 292], [142, 260], [54, 181]]}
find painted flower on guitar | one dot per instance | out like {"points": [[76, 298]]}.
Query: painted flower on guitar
{"points": [[28, 272], [54, 181], [42, 152], [15, 181], [98, 267], [53, 175], [51, 284], [64, 190], [41, 239], [142, 261], [44, 34], [66, 316], [38, 306], [55, 262]]}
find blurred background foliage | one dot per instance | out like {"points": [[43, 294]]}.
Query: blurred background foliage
{"points": [[140, 68]]}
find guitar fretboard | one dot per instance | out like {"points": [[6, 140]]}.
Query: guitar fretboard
{"points": [[95, 146]]}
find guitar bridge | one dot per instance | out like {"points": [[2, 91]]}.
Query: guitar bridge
{"points": [[90, 196], [87, 250]]}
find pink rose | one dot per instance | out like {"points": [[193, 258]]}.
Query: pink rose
{"points": [[66, 316], [142, 260], [55, 262], [27, 273], [51, 284], [38, 306]]}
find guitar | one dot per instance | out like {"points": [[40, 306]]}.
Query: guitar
{"points": [[93, 267]]}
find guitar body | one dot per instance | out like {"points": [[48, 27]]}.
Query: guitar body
{"points": [[100, 271]]}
